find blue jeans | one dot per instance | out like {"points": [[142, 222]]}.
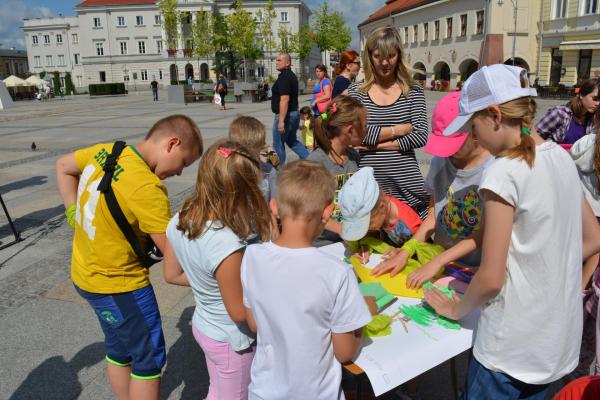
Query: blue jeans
{"points": [[483, 383], [291, 123]]}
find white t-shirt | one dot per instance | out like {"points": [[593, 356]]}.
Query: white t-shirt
{"points": [[200, 258], [532, 329], [299, 297]]}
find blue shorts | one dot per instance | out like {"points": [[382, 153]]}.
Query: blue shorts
{"points": [[483, 383], [132, 330]]}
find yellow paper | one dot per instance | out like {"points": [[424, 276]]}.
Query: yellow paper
{"points": [[395, 285]]}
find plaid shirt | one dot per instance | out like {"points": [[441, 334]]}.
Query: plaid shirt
{"points": [[555, 123]]}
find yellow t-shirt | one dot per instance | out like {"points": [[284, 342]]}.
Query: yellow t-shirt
{"points": [[307, 134], [103, 261]]}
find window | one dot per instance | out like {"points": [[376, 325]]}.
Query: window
{"points": [[415, 33], [463, 25], [97, 22], [160, 75], [48, 61], [79, 80], [157, 19], [159, 46], [34, 39], [139, 20], [58, 38], [559, 8], [120, 21], [426, 31], [37, 61], [585, 64], [436, 30], [123, 47], [99, 48], [406, 35], [102, 76], [144, 74], [479, 18], [62, 82], [142, 47], [75, 38], [61, 60], [448, 27], [76, 58], [46, 39], [589, 7], [284, 16]]}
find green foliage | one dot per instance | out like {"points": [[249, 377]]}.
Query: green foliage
{"points": [[304, 41], [242, 31], [42, 74], [202, 35], [56, 82], [330, 30], [69, 87], [169, 21], [265, 26], [288, 42], [104, 89]]}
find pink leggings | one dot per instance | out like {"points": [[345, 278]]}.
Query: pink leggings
{"points": [[228, 370]]}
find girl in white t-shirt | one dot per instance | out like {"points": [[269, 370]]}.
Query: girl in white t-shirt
{"points": [[207, 239], [529, 282]]}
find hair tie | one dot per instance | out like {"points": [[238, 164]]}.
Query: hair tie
{"points": [[525, 131], [577, 90], [333, 107], [225, 152], [324, 116]]}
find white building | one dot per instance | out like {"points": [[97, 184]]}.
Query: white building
{"points": [[123, 41]]}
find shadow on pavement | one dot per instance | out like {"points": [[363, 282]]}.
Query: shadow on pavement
{"points": [[31, 220], [33, 181], [185, 364], [56, 378]]}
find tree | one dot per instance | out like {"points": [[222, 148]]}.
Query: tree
{"points": [[242, 33], [288, 42], [265, 28], [169, 21], [330, 30], [223, 54], [202, 36], [69, 87], [56, 82], [42, 74], [304, 41]]}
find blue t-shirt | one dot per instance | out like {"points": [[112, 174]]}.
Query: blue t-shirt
{"points": [[200, 259], [317, 90]]}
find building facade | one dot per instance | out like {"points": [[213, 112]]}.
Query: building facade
{"points": [[123, 41], [13, 62], [570, 38], [449, 40]]}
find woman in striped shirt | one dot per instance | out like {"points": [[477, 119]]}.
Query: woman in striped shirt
{"points": [[397, 119]]}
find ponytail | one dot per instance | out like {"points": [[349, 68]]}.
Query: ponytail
{"points": [[520, 112]]}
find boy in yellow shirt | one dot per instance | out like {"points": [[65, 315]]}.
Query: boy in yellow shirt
{"points": [[104, 267]]}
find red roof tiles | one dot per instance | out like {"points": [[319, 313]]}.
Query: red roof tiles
{"points": [[395, 7], [99, 3]]}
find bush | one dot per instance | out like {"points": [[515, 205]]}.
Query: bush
{"points": [[104, 89]]}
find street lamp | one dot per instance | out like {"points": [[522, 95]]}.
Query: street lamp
{"points": [[515, 8]]}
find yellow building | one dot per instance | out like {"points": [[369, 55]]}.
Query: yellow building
{"points": [[570, 40]]}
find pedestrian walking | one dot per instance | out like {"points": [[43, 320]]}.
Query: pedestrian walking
{"points": [[154, 86]]}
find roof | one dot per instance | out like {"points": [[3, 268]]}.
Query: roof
{"points": [[99, 3], [13, 53], [392, 7]]}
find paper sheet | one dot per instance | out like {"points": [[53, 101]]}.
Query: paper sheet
{"points": [[395, 285]]}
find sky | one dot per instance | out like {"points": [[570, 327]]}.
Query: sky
{"points": [[12, 13]]}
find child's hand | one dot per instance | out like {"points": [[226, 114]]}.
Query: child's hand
{"points": [[442, 304], [416, 279], [395, 261], [362, 254]]}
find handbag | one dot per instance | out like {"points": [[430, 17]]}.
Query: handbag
{"points": [[217, 99], [322, 107]]}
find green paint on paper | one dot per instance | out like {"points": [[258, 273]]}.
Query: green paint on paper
{"points": [[380, 325], [424, 315]]}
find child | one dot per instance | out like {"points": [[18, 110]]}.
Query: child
{"points": [[104, 268], [455, 215], [304, 303], [251, 133], [336, 130], [364, 207], [528, 284], [307, 122], [207, 237]]}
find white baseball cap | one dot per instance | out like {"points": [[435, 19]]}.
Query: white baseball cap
{"points": [[494, 84], [356, 200]]}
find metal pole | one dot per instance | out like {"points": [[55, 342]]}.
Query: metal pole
{"points": [[12, 226], [540, 43], [514, 44]]}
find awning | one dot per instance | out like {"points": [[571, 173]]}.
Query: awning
{"points": [[580, 45]]}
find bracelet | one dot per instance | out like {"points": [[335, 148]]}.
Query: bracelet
{"points": [[393, 132]]}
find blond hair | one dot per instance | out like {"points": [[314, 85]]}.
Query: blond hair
{"points": [[341, 112], [180, 126], [249, 132], [304, 189], [387, 40], [227, 190]]}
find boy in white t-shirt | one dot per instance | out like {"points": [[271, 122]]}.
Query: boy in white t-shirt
{"points": [[304, 304]]}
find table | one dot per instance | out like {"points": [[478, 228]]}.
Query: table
{"points": [[392, 360]]}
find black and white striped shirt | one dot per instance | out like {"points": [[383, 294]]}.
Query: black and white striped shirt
{"points": [[397, 171]]}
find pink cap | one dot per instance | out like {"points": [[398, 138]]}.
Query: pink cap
{"points": [[444, 113]]}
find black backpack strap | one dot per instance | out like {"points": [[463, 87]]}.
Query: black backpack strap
{"points": [[113, 205]]}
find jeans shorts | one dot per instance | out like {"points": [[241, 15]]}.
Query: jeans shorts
{"points": [[132, 330]]}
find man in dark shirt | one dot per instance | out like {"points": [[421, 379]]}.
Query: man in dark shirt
{"points": [[284, 104], [154, 86]]}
